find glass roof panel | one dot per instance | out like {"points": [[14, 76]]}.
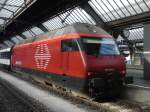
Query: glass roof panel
{"points": [[145, 4], [19, 37], [53, 23], [1, 21], [8, 43], [15, 2], [136, 34], [10, 8], [2, 1], [28, 34], [13, 9], [72, 16], [5, 13], [36, 30], [15, 39], [2, 46], [110, 10]]}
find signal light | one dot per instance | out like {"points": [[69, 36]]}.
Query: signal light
{"points": [[89, 74], [123, 72]]}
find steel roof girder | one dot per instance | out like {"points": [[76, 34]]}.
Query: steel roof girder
{"points": [[99, 21], [132, 20]]}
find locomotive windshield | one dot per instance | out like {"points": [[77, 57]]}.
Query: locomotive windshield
{"points": [[100, 46]]}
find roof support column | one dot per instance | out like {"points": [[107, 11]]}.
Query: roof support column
{"points": [[146, 52]]}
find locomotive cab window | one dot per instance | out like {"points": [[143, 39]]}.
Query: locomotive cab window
{"points": [[69, 45], [100, 46]]}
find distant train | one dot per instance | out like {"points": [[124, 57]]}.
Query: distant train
{"points": [[5, 57], [80, 57]]}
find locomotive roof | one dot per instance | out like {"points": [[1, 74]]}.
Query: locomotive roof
{"points": [[76, 27]]}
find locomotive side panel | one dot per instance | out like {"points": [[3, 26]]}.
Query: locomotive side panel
{"points": [[46, 56], [42, 56], [73, 63], [20, 56], [45, 59]]}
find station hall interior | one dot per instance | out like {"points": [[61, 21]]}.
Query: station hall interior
{"points": [[127, 21]]}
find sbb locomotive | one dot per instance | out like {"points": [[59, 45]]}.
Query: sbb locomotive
{"points": [[80, 57]]}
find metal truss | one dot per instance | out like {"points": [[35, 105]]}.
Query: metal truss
{"points": [[10, 9], [111, 14]]}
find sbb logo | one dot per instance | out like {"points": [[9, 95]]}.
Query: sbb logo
{"points": [[42, 56]]}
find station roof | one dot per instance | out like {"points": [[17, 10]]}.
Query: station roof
{"points": [[110, 10], [10, 9], [116, 14]]}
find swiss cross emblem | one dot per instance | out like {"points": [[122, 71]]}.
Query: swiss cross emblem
{"points": [[42, 56]]}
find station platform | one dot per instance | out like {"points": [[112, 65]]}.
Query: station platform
{"points": [[141, 82], [14, 100], [137, 72], [35, 99], [137, 67], [139, 90]]}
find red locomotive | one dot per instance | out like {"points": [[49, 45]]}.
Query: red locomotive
{"points": [[79, 57]]}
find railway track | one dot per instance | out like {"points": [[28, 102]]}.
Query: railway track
{"points": [[115, 105], [17, 101]]}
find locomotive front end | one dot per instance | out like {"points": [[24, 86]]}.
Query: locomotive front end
{"points": [[105, 66]]}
